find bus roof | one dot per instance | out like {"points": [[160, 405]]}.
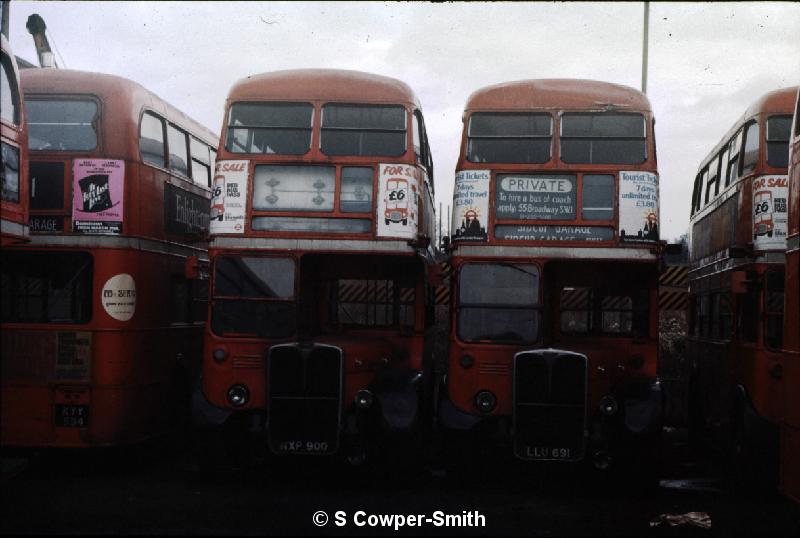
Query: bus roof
{"points": [[774, 102], [559, 94], [322, 85], [110, 89]]}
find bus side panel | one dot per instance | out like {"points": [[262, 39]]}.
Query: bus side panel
{"points": [[790, 429], [764, 386], [26, 415]]}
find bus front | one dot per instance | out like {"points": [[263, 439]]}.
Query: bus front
{"points": [[321, 239], [553, 343]]}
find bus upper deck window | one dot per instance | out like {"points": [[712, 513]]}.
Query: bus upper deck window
{"points": [[603, 138], [9, 97], [270, 128], [201, 163], [778, 129], [178, 151], [416, 136], [151, 139], [509, 138], [733, 160], [61, 124], [363, 130], [750, 153]]}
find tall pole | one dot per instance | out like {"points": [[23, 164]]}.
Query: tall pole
{"points": [[5, 14], [439, 237], [644, 46]]}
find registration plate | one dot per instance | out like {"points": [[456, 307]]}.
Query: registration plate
{"points": [[303, 447], [547, 453], [72, 416]]}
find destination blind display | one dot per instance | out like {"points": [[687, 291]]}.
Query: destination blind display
{"points": [[550, 197], [548, 232]]}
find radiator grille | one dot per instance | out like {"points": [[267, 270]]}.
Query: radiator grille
{"points": [[304, 398], [550, 405]]}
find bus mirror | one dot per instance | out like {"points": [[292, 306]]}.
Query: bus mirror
{"points": [[739, 282]]}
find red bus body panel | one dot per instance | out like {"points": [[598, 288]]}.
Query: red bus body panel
{"points": [[790, 443], [15, 212], [128, 373]]}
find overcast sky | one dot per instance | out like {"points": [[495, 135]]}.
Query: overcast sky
{"points": [[707, 61]]}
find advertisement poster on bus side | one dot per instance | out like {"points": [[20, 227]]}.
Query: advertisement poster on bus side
{"points": [[119, 297], [185, 212], [98, 190], [74, 358], [470, 205], [638, 206], [398, 201], [229, 197], [770, 212]]}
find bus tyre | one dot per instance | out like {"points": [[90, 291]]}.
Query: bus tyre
{"points": [[405, 222], [386, 221]]}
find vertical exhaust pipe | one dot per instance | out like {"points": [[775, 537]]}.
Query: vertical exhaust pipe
{"points": [[37, 29]]}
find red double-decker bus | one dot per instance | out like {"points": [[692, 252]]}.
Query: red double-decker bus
{"points": [[322, 235], [554, 336], [14, 146], [790, 430], [736, 285], [101, 318]]}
